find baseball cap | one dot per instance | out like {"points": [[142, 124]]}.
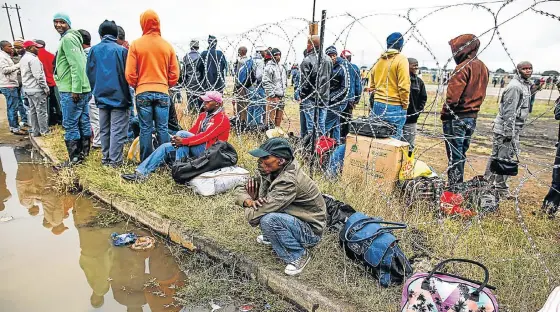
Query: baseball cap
{"points": [[278, 147], [212, 96], [275, 51], [345, 53], [29, 43], [261, 48], [40, 43]]}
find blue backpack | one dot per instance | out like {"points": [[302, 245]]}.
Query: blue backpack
{"points": [[367, 241], [246, 75]]}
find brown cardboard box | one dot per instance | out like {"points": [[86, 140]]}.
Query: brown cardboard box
{"points": [[373, 161]]}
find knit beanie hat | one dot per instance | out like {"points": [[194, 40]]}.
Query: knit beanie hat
{"points": [[212, 39], [275, 51], [395, 41], [108, 28], [64, 17], [331, 50]]}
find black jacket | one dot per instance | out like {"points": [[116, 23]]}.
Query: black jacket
{"points": [[418, 98], [315, 78]]}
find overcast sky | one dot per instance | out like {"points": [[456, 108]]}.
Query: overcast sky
{"points": [[529, 36]]}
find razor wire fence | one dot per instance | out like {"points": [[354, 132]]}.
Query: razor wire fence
{"points": [[426, 32]]}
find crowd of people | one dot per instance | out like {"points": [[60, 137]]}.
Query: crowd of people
{"points": [[101, 93]]}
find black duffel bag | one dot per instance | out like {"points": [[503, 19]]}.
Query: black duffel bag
{"points": [[220, 155], [372, 128]]}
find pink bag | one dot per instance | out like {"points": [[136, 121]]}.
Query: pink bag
{"points": [[442, 292]]}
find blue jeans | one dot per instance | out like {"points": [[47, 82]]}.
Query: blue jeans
{"points": [[392, 114], [164, 154], [75, 116], [337, 161], [13, 101], [23, 108], [332, 121], [152, 107], [257, 102], [307, 110], [457, 134], [288, 235]]}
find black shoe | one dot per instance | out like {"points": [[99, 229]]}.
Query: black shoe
{"points": [[133, 177], [86, 146], [73, 148]]}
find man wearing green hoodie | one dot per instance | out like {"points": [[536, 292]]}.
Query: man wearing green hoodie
{"points": [[73, 85]]}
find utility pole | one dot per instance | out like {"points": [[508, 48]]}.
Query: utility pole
{"points": [[17, 8], [19, 19], [5, 6]]}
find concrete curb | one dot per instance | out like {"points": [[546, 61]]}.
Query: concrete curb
{"points": [[293, 290]]}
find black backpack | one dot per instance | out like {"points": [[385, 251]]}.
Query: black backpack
{"points": [[372, 128], [219, 155]]}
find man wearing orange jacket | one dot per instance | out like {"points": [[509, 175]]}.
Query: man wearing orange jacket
{"points": [[151, 69], [211, 126]]}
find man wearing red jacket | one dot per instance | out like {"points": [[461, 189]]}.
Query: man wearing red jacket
{"points": [[53, 107], [211, 126]]}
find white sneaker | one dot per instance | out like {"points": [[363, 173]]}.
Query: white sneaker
{"points": [[297, 266], [263, 241]]}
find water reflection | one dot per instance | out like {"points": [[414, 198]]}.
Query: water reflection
{"points": [[114, 276]]}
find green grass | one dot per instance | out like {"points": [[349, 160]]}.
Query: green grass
{"points": [[496, 240]]}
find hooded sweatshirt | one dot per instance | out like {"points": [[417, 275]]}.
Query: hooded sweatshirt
{"points": [[212, 68], [70, 71], [468, 82], [151, 65], [390, 78], [339, 85]]}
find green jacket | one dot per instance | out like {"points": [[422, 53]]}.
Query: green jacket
{"points": [[292, 192], [70, 71]]}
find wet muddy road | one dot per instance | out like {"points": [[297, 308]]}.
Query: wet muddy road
{"points": [[50, 260]]}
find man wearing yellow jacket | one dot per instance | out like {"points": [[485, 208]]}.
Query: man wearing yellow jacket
{"points": [[390, 81]]}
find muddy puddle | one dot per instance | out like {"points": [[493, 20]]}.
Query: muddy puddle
{"points": [[53, 259]]}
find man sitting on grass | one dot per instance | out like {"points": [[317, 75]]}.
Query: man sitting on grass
{"points": [[211, 126], [286, 204]]}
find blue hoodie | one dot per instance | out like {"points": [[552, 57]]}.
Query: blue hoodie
{"points": [[105, 71], [355, 90], [339, 83], [212, 69]]}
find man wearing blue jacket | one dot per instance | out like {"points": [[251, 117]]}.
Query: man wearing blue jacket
{"points": [[212, 67], [339, 86], [354, 95], [106, 73]]}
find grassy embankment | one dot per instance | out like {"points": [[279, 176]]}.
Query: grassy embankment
{"points": [[496, 240]]}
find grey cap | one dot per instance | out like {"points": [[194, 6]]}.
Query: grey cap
{"points": [[194, 44]]}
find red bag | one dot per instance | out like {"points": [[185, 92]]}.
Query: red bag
{"points": [[323, 147], [450, 204]]}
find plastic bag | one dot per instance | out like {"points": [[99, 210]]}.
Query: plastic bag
{"points": [[219, 181], [421, 169], [337, 212], [134, 151], [407, 168], [123, 239]]}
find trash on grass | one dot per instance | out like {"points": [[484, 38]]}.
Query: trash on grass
{"points": [[214, 306], [6, 218], [246, 308], [143, 243], [123, 239]]}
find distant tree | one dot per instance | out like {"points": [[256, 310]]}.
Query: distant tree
{"points": [[550, 73], [424, 68], [500, 71]]}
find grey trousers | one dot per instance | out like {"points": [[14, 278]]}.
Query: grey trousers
{"points": [[38, 115], [94, 120], [113, 129], [504, 150], [409, 133]]}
